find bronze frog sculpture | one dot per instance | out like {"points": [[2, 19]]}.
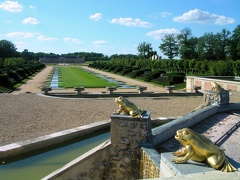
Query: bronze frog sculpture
{"points": [[216, 87], [128, 107], [201, 149]]}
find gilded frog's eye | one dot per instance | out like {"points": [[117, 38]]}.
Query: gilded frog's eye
{"points": [[185, 132]]}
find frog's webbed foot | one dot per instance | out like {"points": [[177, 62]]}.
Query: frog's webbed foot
{"points": [[179, 160], [180, 152], [135, 114], [228, 167], [117, 112]]}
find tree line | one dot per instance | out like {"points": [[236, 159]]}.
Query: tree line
{"points": [[8, 50], [189, 67], [223, 45]]}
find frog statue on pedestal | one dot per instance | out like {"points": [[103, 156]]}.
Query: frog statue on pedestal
{"points": [[201, 149], [128, 107]]}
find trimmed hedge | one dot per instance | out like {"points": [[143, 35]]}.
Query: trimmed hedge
{"points": [[153, 75], [15, 76], [144, 74], [126, 71], [176, 78], [5, 80], [21, 72], [118, 69], [137, 73]]}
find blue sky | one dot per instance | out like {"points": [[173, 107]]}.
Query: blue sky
{"points": [[109, 26]]}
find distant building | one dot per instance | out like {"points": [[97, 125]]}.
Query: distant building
{"points": [[61, 60], [156, 57]]}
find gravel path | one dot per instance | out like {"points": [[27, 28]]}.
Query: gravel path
{"points": [[28, 115]]}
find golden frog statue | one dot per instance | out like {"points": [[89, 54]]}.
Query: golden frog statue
{"points": [[216, 87], [201, 149], [128, 107]]}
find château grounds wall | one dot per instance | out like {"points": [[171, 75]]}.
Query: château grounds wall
{"points": [[205, 83]]}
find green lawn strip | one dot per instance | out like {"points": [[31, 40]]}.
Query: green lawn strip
{"points": [[74, 76]]}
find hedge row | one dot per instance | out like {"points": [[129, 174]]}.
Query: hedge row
{"points": [[11, 76], [157, 76]]}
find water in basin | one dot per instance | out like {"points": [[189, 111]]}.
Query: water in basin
{"points": [[39, 166]]}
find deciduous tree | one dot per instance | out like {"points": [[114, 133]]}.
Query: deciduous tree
{"points": [[169, 47], [145, 50], [7, 49], [235, 44]]}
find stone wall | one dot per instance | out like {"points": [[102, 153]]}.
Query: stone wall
{"points": [[205, 83], [119, 159], [150, 163]]}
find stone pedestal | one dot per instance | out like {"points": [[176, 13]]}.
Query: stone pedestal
{"points": [[126, 135], [212, 97], [190, 84]]}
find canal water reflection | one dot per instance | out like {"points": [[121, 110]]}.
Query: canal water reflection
{"points": [[41, 165], [54, 82]]}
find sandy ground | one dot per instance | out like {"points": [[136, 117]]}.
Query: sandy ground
{"points": [[33, 85], [27, 115]]}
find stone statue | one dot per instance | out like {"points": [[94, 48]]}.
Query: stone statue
{"points": [[217, 95], [216, 87], [201, 149], [128, 107]]}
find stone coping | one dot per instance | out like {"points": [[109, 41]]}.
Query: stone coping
{"points": [[22, 147], [116, 94]]}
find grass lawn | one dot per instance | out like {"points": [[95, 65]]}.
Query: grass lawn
{"points": [[74, 76]]}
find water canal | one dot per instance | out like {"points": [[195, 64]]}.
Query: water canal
{"points": [[39, 166], [54, 82]]}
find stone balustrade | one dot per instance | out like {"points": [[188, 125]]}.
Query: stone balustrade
{"points": [[111, 89], [197, 88], [46, 89], [79, 89], [170, 88], [141, 89]]}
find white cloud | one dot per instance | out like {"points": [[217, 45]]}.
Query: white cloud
{"points": [[12, 6], [20, 34], [131, 22], [99, 42], [77, 41], [96, 16], [166, 14], [43, 38], [203, 17], [159, 34], [30, 20]]}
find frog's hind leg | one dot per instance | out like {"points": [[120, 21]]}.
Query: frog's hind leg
{"points": [[216, 161]]}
